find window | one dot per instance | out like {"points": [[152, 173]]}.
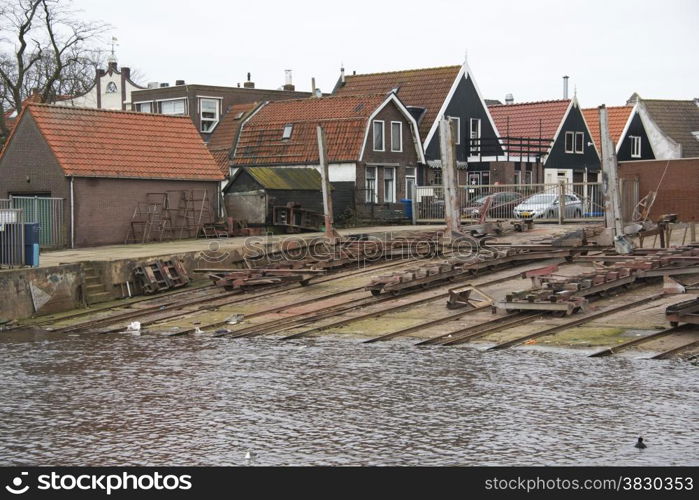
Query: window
{"points": [[457, 120], [370, 185], [485, 178], [579, 142], [173, 107], [111, 88], [635, 146], [570, 137], [410, 182], [208, 111], [475, 127], [378, 135], [288, 129], [396, 136], [438, 177], [144, 107], [389, 185]]}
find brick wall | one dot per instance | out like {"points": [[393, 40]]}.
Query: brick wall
{"points": [[679, 191], [104, 207]]}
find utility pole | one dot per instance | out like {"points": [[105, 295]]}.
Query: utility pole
{"points": [[330, 232], [452, 209], [612, 198]]}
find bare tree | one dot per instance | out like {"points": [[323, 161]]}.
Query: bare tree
{"points": [[44, 48]]}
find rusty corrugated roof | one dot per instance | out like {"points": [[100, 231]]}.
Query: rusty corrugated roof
{"points": [[292, 178]]}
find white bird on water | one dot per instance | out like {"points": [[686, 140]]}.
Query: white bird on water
{"points": [[250, 457], [134, 327]]}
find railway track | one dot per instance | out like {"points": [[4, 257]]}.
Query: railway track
{"points": [[160, 308], [642, 340]]}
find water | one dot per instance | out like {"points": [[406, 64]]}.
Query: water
{"points": [[130, 400]]}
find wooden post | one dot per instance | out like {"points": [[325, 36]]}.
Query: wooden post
{"points": [[330, 232], [612, 199], [447, 144], [561, 201], [692, 232]]}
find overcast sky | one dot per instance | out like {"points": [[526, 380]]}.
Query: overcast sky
{"points": [[610, 48]]}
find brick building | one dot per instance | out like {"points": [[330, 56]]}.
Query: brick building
{"points": [[103, 163], [373, 147]]}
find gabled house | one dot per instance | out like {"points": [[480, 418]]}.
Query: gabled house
{"points": [[430, 95], [372, 142], [112, 89], [626, 130], [568, 152], [225, 136], [104, 163], [672, 126]]}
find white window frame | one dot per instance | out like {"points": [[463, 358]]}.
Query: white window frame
{"points": [[287, 135], [215, 120], [393, 185], [572, 142], [457, 119], [400, 137], [138, 105], [383, 135], [370, 197], [582, 143], [159, 106], [470, 134], [635, 146]]}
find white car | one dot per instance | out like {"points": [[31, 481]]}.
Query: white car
{"points": [[547, 206]]}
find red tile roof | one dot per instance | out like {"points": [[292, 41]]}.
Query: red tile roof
{"points": [[105, 143], [344, 119], [426, 88], [529, 119], [226, 132], [617, 116]]}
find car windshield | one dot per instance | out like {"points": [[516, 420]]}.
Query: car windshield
{"points": [[541, 198]]}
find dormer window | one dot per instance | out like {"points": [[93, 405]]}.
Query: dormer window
{"points": [[286, 133], [208, 109]]}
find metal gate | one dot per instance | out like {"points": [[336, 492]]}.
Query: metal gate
{"points": [[11, 237], [47, 212], [574, 201]]}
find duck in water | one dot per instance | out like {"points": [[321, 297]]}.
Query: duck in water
{"points": [[639, 444]]}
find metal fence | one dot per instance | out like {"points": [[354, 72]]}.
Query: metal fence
{"points": [[11, 237], [47, 212], [542, 202]]}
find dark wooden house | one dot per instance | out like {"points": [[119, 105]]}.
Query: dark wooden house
{"points": [[566, 151], [431, 94], [626, 130]]}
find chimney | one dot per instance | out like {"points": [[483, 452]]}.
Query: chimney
{"points": [[249, 84], [179, 82], [287, 80], [509, 99], [313, 86], [112, 65], [342, 74], [126, 72], [163, 85], [565, 87]]}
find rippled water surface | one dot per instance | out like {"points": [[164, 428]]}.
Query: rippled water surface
{"points": [[121, 399]]}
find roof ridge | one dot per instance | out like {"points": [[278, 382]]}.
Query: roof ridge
{"points": [[669, 100], [404, 71], [611, 107], [526, 103], [330, 97], [101, 110]]}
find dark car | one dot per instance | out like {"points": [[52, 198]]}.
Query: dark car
{"points": [[501, 205]]}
